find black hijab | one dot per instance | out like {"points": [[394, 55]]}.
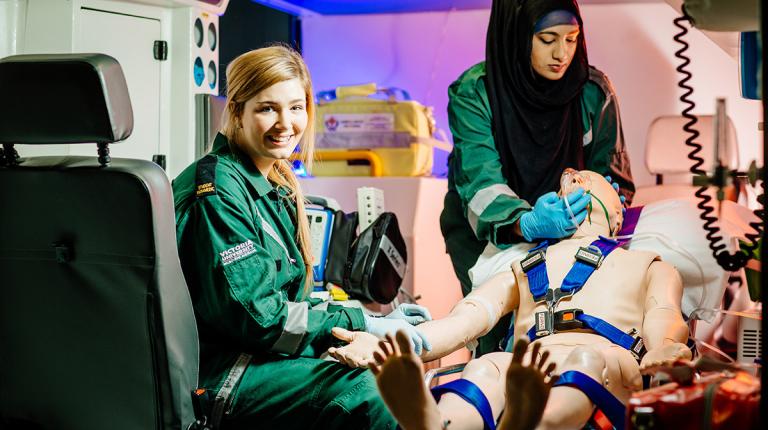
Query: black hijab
{"points": [[536, 122]]}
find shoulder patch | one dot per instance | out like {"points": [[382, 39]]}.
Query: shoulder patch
{"points": [[602, 81], [205, 177]]}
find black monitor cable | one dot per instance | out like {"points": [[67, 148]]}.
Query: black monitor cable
{"points": [[728, 261]]}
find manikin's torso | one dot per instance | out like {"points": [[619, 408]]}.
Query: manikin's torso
{"points": [[615, 292]]}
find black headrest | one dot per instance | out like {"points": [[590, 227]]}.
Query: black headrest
{"points": [[63, 98]]}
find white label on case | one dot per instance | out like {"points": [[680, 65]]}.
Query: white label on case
{"points": [[388, 248], [357, 122]]}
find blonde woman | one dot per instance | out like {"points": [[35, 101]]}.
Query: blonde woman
{"points": [[243, 241]]}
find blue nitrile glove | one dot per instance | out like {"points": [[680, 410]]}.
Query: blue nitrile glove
{"points": [[615, 186], [379, 327], [413, 314], [549, 218]]}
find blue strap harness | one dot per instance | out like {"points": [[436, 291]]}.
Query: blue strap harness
{"points": [[471, 393], [599, 395], [588, 259]]}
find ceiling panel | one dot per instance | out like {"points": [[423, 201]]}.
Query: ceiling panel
{"points": [[350, 7], [353, 7]]}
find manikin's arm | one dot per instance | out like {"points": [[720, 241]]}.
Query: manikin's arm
{"points": [[664, 330], [471, 318]]}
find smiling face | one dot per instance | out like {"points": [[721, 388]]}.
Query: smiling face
{"points": [[273, 123], [552, 50]]}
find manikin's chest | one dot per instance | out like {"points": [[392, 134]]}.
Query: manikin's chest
{"points": [[614, 292]]}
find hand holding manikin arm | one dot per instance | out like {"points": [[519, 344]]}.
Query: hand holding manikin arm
{"points": [[472, 317], [664, 330]]}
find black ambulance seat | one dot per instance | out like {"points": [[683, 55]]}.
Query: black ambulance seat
{"points": [[97, 329]]}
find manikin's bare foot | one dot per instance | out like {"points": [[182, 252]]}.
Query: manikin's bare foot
{"points": [[527, 388], [400, 378]]}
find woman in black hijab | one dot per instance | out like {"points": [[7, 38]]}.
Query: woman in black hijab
{"points": [[533, 108]]}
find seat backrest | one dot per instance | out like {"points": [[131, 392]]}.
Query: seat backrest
{"points": [[97, 329], [667, 154]]}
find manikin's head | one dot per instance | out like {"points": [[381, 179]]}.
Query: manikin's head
{"points": [[604, 213]]}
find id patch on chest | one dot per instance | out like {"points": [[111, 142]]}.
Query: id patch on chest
{"points": [[237, 252]]}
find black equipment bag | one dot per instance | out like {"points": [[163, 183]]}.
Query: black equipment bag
{"points": [[371, 266], [343, 235]]}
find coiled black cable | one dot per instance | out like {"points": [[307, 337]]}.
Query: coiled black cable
{"points": [[726, 260]]}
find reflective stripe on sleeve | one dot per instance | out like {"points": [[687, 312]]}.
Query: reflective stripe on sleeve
{"points": [[295, 328], [482, 199]]}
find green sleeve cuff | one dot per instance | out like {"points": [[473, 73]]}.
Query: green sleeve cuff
{"points": [[503, 232], [356, 319]]}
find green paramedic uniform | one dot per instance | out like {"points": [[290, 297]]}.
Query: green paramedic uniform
{"points": [[479, 205], [236, 238]]}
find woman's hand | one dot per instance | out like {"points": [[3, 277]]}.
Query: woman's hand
{"points": [[550, 219], [413, 314], [615, 186], [359, 350], [379, 327]]}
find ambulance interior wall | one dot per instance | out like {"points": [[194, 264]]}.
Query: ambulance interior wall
{"points": [[632, 43]]}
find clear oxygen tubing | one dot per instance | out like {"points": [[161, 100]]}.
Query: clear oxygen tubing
{"points": [[605, 211], [565, 184], [713, 348], [673, 245], [698, 310], [570, 212], [573, 218]]}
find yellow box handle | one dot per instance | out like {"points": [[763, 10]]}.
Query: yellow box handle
{"points": [[363, 90], [371, 157]]}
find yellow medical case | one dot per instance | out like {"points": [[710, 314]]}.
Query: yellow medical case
{"points": [[396, 131]]}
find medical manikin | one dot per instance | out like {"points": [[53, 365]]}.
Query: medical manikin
{"points": [[632, 295]]}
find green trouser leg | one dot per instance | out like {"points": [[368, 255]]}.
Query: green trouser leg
{"points": [[307, 393], [464, 249]]}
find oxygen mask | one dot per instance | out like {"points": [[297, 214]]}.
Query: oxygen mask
{"points": [[570, 181]]}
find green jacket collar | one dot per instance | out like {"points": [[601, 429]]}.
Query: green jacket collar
{"points": [[243, 165]]}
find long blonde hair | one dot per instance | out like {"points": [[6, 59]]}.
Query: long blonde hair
{"points": [[248, 75]]}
